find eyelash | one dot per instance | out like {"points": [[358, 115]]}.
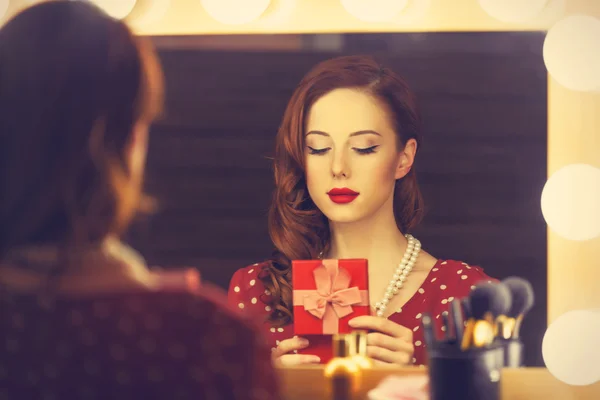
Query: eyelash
{"points": [[367, 150]]}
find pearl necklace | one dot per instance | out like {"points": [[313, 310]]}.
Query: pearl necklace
{"points": [[406, 265]]}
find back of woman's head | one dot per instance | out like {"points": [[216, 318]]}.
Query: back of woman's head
{"points": [[297, 227], [74, 84]]}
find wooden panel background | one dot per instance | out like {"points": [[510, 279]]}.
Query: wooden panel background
{"points": [[482, 165]]}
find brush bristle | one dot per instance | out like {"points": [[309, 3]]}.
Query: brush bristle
{"points": [[489, 297], [521, 294]]}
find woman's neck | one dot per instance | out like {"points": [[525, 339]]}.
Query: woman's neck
{"points": [[377, 239]]}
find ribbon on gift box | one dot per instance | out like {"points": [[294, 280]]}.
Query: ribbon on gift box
{"points": [[333, 298]]}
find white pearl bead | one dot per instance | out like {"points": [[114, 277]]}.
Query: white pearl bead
{"points": [[402, 279], [378, 304], [384, 302], [387, 296], [380, 313], [399, 284], [396, 290], [404, 273], [395, 277]]}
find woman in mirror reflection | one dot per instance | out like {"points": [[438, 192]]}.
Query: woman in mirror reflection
{"points": [[81, 317], [346, 188]]}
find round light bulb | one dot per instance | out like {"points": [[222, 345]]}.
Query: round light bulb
{"points": [[235, 12], [374, 10], [570, 347], [571, 202], [118, 9], [572, 52], [513, 11]]}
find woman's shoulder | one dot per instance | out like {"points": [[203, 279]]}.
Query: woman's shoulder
{"points": [[455, 279]]}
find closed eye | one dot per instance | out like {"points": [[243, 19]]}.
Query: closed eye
{"points": [[318, 151], [367, 150]]}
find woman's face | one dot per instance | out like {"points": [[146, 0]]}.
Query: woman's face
{"points": [[352, 157]]}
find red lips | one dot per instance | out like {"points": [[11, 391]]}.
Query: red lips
{"points": [[342, 195]]}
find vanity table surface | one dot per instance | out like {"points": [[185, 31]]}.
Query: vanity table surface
{"points": [[307, 382]]}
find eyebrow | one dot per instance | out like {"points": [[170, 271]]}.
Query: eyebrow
{"points": [[358, 133]]}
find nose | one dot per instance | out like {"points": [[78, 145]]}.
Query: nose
{"points": [[339, 165]]}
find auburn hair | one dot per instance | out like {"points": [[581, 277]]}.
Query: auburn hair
{"points": [[298, 229], [74, 83]]}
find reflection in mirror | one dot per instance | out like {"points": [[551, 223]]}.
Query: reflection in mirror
{"points": [[481, 164]]}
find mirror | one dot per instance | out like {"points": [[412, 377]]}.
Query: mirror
{"points": [[482, 165]]}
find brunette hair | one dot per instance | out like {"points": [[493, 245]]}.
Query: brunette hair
{"points": [[298, 229], [73, 84]]}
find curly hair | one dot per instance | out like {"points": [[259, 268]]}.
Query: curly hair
{"points": [[298, 229]]}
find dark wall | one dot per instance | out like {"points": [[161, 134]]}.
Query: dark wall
{"points": [[482, 165]]}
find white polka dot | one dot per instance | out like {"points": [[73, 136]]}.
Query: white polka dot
{"points": [[459, 272], [399, 310], [236, 289], [444, 301], [443, 287], [421, 290], [450, 298], [437, 317], [252, 282], [267, 293], [418, 343], [277, 342], [443, 328], [268, 308], [435, 269], [251, 271], [445, 262], [468, 267], [273, 330], [434, 279], [487, 281], [472, 287], [241, 305], [279, 329], [253, 301], [419, 315], [416, 328], [414, 360], [463, 277]]}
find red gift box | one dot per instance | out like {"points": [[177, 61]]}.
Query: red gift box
{"points": [[327, 294]]}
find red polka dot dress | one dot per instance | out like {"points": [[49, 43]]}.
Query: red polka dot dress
{"points": [[446, 281]]}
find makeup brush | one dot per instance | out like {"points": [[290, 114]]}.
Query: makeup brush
{"points": [[428, 331], [456, 316], [522, 301], [487, 301]]}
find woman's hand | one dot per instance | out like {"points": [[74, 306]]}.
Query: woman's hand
{"points": [[284, 353], [390, 344]]}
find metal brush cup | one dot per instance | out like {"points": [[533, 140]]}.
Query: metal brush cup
{"points": [[473, 374]]}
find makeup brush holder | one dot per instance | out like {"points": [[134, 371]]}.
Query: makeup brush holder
{"points": [[513, 352], [472, 374]]}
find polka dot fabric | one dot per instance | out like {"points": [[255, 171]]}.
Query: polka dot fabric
{"points": [[447, 280], [159, 345]]}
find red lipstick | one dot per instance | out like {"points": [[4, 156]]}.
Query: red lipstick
{"points": [[342, 195]]}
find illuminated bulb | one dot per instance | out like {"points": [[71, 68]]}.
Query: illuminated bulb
{"points": [[570, 347], [3, 8], [235, 12], [571, 202], [118, 9], [572, 52], [374, 10], [513, 10]]}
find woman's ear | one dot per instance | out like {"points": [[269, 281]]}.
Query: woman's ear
{"points": [[406, 159]]}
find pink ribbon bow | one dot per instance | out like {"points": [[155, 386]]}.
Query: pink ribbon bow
{"points": [[333, 298]]}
